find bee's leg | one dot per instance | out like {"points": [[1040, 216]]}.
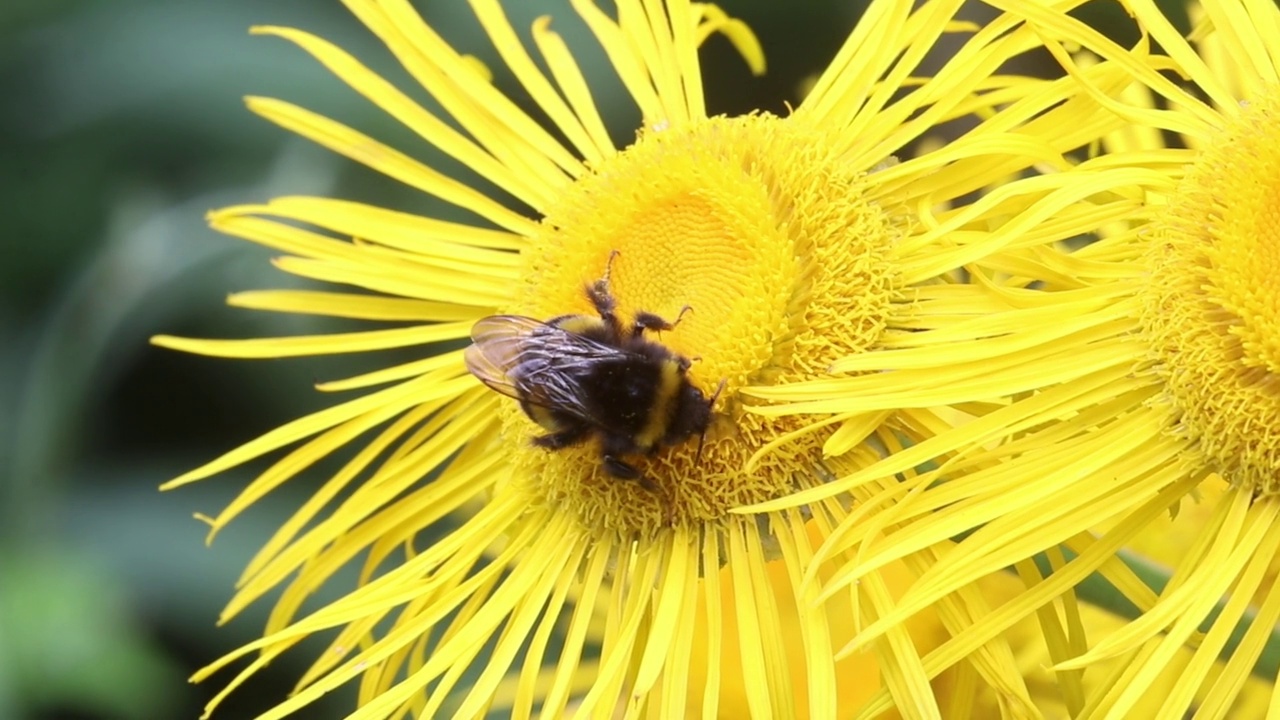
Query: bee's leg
{"points": [[601, 297], [612, 448], [625, 471], [650, 321], [605, 305], [646, 482], [621, 469], [608, 267]]}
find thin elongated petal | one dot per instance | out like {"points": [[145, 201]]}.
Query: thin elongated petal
{"points": [[400, 230], [666, 611], [432, 129], [513, 54], [365, 150], [347, 305], [496, 121], [320, 344]]}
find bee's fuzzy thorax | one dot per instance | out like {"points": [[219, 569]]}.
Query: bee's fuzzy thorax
{"points": [[582, 377]]}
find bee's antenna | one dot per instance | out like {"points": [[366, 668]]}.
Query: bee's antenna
{"points": [[608, 266], [711, 404], [683, 310]]}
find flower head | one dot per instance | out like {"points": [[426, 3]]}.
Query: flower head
{"points": [[1168, 380], [804, 248]]}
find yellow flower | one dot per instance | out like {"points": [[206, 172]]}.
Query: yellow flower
{"points": [[808, 254], [1169, 381]]}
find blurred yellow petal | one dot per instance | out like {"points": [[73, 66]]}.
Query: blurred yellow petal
{"points": [[1176, 390]]}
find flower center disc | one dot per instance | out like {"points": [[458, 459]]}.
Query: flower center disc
{"points": [[1212, 308], [756, 225]]}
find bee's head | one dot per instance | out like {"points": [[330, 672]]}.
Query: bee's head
{"points": [[702, 413], [693, 413]]}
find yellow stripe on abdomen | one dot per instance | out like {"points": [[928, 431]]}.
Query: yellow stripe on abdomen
{"points": [[665, 397]]}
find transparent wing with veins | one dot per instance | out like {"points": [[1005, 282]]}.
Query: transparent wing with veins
{"points": [[535, 362]]}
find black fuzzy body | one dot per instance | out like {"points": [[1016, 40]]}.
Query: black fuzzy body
{"points": [[583, 376]]}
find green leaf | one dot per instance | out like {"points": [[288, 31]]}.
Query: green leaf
{"points": [[67, 641]]}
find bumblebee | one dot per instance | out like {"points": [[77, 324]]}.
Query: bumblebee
{"points": [[581, 377]]}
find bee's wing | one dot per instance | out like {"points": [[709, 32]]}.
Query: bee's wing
{"points": [[497, 342], [535, 362]]}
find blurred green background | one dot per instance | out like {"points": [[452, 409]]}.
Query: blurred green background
{"points": [[122, 124]]}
